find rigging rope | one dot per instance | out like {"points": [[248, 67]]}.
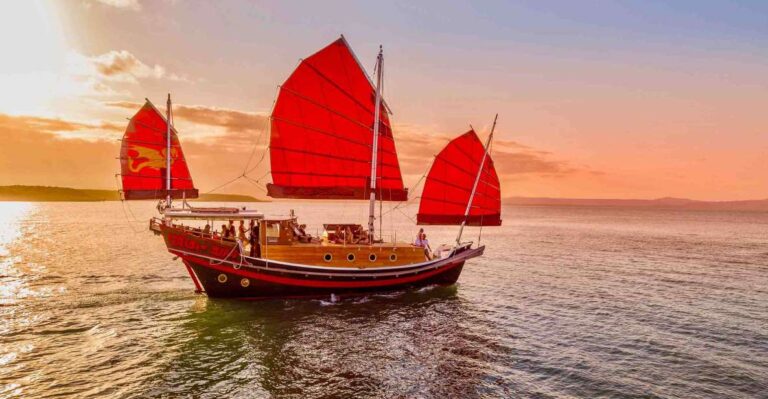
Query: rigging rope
{"points": [[125, 213], [408, 202]]}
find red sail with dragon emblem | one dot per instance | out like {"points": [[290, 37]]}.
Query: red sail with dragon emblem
{"points": [[143, 159]]}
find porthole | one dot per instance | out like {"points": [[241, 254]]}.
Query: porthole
{"points": [[222, 278], [392, 257], [351, 257], [245, 282], [372, 257], [327, 257]]}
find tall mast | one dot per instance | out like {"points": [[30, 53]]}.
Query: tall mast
{"points": [[376, 116], [477, 180], [168, 151]]}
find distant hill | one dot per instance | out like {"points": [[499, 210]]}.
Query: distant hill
{"points": [[662, 203], [62, 194]]}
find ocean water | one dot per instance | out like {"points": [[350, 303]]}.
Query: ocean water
{"points": [[566, 302]]}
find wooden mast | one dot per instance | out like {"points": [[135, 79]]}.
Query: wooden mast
{"points": [[168, 197], [477, 180], [372, 201]]}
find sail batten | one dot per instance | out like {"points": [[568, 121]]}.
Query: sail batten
{"points": [[322, 133], [449, 185], [341, 89], [144, 160], [329, 109]]}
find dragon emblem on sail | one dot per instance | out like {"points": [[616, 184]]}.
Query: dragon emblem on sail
{"points": [[140, 157]]}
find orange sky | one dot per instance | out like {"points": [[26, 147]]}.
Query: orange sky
{"points": [[636, 103]]}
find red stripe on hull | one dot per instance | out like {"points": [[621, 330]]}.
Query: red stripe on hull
{"points": [[264, 285]]}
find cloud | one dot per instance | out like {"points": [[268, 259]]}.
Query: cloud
{"points": [[35, 152], [49, 151], [132, 5], [510, 158], [53, 126], [222, 142], [233, 121], [121, 65], [234, 130]]}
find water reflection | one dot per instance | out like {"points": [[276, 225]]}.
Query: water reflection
{"points": [[404, 342]]}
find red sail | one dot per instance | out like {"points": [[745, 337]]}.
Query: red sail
{"points": [[143, 160], [321, 133], [449, 185]]}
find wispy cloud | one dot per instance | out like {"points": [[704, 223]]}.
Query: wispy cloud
{"points": [[121, 65], [511, 159], [52, 126], [43, 151], [233, 130], [225, 154], [132, 5], [51, 151]]}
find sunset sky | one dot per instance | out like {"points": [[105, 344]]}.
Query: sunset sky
{"points": [[626, 99]]}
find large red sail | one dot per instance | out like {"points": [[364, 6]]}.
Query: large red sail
{"points": [[321, 133], [143, 159], [449, 186]]}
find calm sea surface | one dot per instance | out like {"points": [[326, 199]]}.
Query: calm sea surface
{"points": [[566, 302]]}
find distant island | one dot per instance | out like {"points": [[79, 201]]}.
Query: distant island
{"points": [[65, 194], [660, 203]]}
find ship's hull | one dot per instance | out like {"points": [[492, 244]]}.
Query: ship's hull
{"points": [[220, 271], [264, 285]]}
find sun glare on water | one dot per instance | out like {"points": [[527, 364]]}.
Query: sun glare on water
{"points": [[11, 213]]}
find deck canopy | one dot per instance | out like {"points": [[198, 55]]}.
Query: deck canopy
{"points": [[223, 213], [322, 133], [143, 159], [449, 184]]}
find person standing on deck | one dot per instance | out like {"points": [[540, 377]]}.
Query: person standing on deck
{"points": [[253, 239], [241, 232]]}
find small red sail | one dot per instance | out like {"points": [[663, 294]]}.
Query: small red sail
{"points": [[321, 133], [143, 159], [449, 186]]}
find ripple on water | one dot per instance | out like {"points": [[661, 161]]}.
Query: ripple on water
{"points": [[567, 302]]}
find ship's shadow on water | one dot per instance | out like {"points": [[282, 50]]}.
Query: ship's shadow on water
{"points": [[403, 344]]}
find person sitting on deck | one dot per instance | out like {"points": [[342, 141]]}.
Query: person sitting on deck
{"points": [[425, 244], [338, 238], [419, 241], [224, 232], [207, 229], [300, 234], [349, 237], [231, 228], [363, 237]]}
